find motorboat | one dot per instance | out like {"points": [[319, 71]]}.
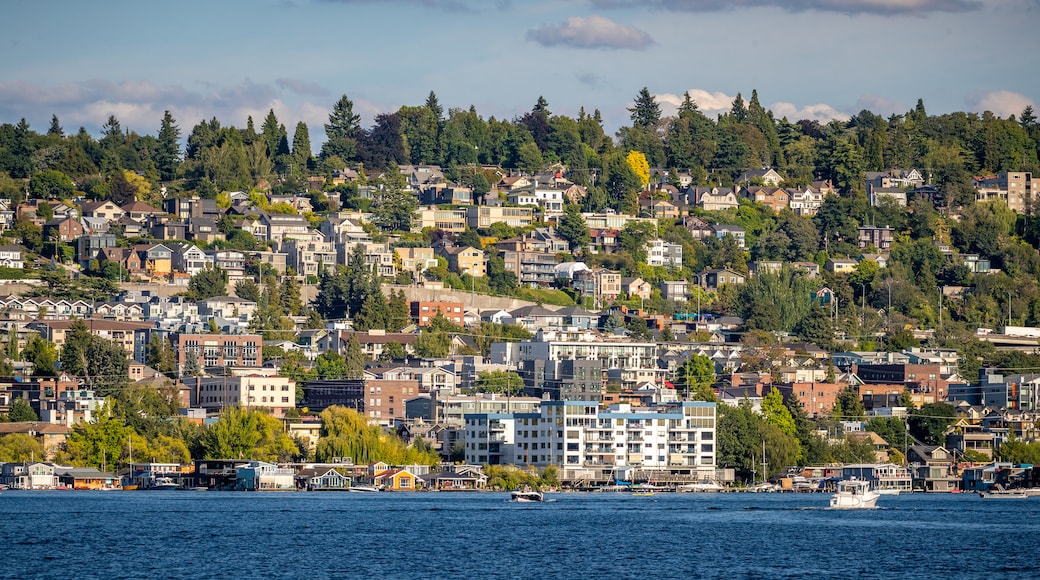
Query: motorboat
{"points": [[706, 486], [854, 494], [527, 495], [999, 492], [361, 489], [163, 484]]}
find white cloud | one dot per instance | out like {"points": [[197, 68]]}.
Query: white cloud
{"points": [[592, 32], [711, 104], [820, 112], [714, 104], [1000, 103]]}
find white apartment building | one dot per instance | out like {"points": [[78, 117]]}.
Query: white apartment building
{"points": [[277, 394], [587, 442], [662, 253]]}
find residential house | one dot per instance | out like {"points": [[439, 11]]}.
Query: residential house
{"points": [[676, 290], [698, 228], [416, 260], [713, 279], [282, 226], [840, 265], [775, 198], [715, 198], [737, 232], [87, 247], [511, 182], [106, 210], [132, 336], [880, 238], [446, 219], [465, 260], [658, 208], [806, 201], [185, 208], [307, 258], [11, 257], [64, 229], [233, 262], [876, 194], [141, 212], [188, 258], [636, 287], [603, 284], [604, 240], [766, 176], [155, 260]]}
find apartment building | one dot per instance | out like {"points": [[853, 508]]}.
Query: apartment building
{"points": [[587, 442]]}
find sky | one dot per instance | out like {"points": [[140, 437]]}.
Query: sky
{"points": [[229, 59]]}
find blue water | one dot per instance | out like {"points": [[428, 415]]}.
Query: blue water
{"points": [[182, 534]]}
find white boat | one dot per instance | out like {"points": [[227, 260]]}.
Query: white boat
{"points": [[999, 492], [708, 486], [1002, 495], [163, 483], [887, 492], [853, 495], [361, 489], [527, 495]]}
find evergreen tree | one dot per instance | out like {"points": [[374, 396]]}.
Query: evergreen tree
{"points": [[573, 228], [301, 149], [208, 282], [168, 150], [55, 129], [355, 359], [21, 412], [645, 112], [342, 131], [399, 314]]}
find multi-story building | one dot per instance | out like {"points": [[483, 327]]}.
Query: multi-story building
{"points": [[465, 260], [563, 380], [662, 253], [451, 410], [424, 312], [601, 283], [674, 440], [483, 216], [416, 259], [880, 238], [132, 336], [277, 394], [446, 219], [1014, 188], [306, 258], [531, 268], [218, 350]]}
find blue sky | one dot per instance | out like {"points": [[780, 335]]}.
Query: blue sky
{"points": [[817, 59]]}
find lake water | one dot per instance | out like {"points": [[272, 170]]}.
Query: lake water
{"points": [[183, 534]]}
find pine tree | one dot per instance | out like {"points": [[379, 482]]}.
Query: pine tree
{"points": [[55, 129], [168, 151], [355, 358], [646, 112], [301, 149], [573, 228], [342, 131]]}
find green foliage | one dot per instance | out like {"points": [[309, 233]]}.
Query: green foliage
{"points": [[695, 378], [21, 411], [20, 447], [501, 382], [775, 413], [848, 405], [208, 282], [511, 478], [248, 434], [347, 433], [928, 423]]}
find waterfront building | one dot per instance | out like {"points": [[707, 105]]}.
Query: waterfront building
{"points": [[674, 441]]}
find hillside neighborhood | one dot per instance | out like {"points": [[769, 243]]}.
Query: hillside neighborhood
{"points": [[369, 318]]}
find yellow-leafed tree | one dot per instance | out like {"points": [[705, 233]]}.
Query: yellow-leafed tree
{"points": [[637, 161]]}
